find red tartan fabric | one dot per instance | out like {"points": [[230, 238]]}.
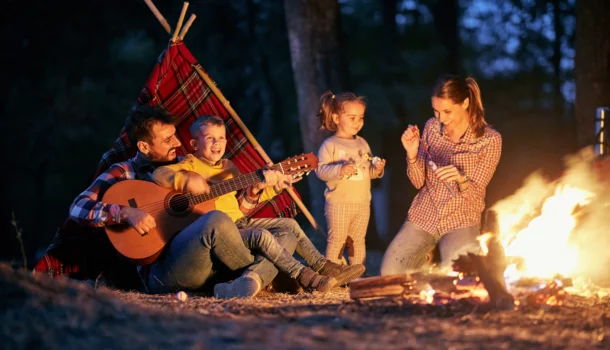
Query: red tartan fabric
{"points": [[175, 85], [54, 267]]}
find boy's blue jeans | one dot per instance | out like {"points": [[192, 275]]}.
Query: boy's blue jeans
{"points": [[407, 251], [188, 261], [289, 235]]}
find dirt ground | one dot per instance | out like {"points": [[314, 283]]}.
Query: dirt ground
{"points": [[37, 312]]}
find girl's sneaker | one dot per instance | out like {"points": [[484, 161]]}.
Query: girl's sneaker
{"points": [[342, 273]]}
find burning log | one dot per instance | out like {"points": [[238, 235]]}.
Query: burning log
{"points": [[429, 288], [435, 288], [414, 281], [492, 278]]}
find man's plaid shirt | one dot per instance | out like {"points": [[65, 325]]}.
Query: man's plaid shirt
{"points": [[88, 209], [434, 209]]}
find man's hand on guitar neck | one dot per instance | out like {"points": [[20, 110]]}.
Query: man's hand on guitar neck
{"points": [[195, 183], [275, 178], [140, 220]]}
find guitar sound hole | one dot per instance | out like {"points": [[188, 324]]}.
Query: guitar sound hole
{"points": [[179, 203]]}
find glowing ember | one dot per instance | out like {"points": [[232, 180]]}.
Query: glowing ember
{"points": [[427, 295]]}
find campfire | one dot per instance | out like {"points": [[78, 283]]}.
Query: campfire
{"points": [[535, 250]]}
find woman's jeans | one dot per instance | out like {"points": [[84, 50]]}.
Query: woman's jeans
{"points": [[193, 255], [408, 250]]}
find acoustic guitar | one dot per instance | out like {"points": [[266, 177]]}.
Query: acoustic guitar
{"points": [[173, 210]]}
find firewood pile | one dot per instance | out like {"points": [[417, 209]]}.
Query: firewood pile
{"points": [[419, 288], [476, 278], [437, 289]]}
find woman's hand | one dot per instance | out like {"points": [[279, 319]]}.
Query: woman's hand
{"points": [[449, 173], [410, 141]]}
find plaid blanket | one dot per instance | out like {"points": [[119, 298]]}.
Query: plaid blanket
{"points": [[175, 85]]}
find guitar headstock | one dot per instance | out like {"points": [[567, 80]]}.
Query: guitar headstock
{"points": [[299, 165]]}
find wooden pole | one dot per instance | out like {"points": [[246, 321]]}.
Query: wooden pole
{"points": [[158, 14], [187, 26], [180, 20], [238, 120]]}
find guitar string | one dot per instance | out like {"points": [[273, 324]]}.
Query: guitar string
{"points": [[186, 198], [215, 191], [160, 206]]}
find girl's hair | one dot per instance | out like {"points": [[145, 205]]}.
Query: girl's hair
{"points": [[331, 104], [457, 89]]}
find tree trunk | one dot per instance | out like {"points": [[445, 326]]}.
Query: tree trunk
{"points": [[556, 58], [592, 65], [446, 15], [313, 33], [388, 8]]}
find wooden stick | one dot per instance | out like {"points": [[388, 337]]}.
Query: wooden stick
{"points": [[251, 138], [253, 141], [180, 20], [158, 14], [187, 26], [370, 282], [412, 283], [376, 292]]}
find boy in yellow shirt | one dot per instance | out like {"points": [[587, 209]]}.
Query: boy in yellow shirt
{"points": [[195, 172]]}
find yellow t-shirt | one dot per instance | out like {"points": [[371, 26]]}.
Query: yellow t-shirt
{"points": [[171, 176]]}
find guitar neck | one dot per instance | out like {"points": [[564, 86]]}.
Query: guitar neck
{"points": [[227, 186]]}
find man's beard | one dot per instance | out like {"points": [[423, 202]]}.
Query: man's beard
{"points": [[156, 158]]}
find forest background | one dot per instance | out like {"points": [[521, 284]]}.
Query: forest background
{"points": [[73, 69]]}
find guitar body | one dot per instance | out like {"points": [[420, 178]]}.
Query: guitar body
{"points": [[173, 211], [170, 209]]}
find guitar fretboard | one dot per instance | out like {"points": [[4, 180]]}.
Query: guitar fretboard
{"points": [[230, 185]]}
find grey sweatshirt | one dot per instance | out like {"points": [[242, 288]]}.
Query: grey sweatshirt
{"points": [[335, 152]]}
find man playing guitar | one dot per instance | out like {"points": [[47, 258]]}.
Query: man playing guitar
{"points": [[211, 240]]}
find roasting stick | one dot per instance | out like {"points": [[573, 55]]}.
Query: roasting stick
{"points": [[434, 167]]}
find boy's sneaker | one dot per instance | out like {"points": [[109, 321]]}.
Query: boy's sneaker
{"points": [[282, 283], [242, 287], [311, 281], [342, 273]]}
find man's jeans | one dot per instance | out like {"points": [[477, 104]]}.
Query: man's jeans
{"points": [[289, 235], [187, 262], [407, 251]]}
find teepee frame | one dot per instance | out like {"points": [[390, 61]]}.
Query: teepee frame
{"points": [[179, 35]]}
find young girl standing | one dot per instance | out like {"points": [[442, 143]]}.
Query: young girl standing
{"points": [[347, 167]]}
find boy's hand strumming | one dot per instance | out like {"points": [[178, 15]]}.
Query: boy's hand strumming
{"points": [[195, 183]]}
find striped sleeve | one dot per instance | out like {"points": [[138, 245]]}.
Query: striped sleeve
{"points": [[88, 209]]}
